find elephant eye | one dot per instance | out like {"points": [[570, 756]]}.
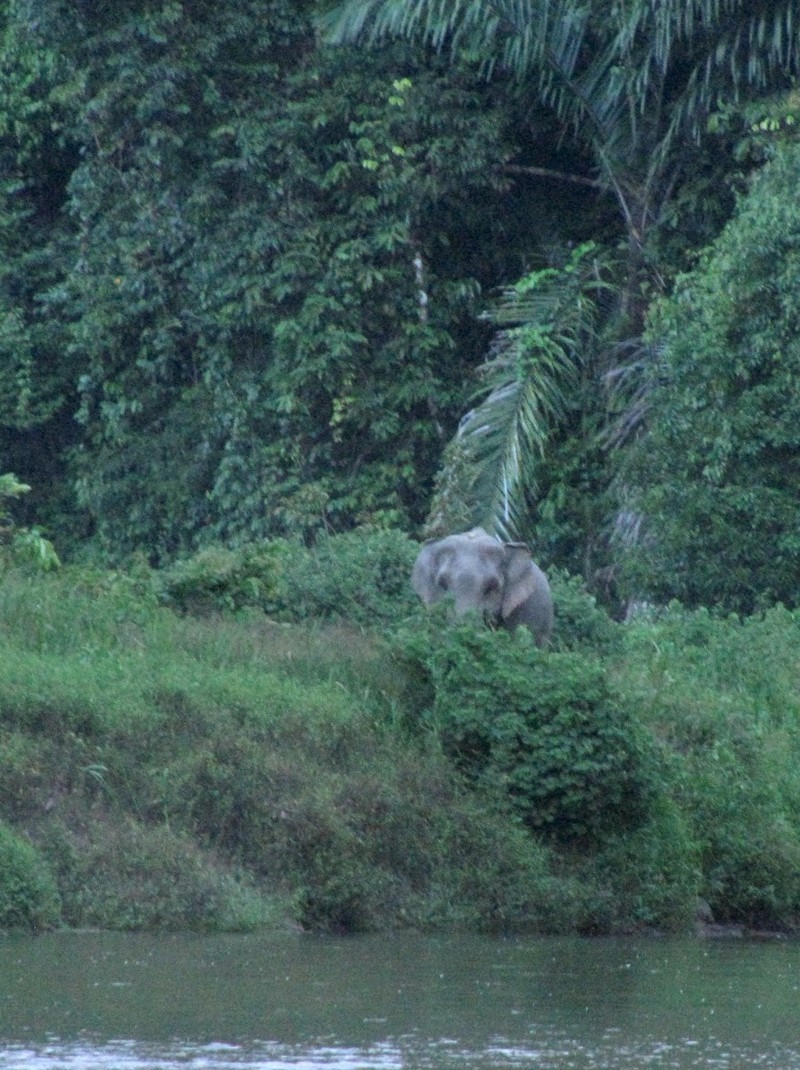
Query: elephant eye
{"points": [[443, 581], [491, 586]]}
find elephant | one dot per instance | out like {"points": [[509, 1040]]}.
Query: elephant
{"points": [[479, 572]]}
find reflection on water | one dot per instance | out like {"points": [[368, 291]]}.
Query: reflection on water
{"points": [[606, 1054], [120, 1002], [129, 1055]]}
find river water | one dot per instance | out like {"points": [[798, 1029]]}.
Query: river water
{"points": [[110, 1001]]}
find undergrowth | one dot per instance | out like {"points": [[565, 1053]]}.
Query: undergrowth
{"points": [[224, 767]]}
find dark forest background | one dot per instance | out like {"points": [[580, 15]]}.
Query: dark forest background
{"points": [[271, 269]]}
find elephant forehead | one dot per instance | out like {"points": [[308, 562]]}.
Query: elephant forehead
{"points": [[490, 548], [482, 549]]}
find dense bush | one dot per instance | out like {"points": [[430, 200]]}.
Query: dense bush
{"points": [[580, 623], [649, 876], [545, 729], [716, 472], [21, 546], [218, 579], [361, 576], [722, 694]]}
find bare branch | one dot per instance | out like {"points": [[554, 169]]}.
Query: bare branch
{"points": [[561, 176]]}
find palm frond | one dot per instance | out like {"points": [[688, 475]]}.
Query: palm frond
{"points": [[464, 24], [548, 326], [757, 47], [507, 434], [606, 71], [632, 80]]}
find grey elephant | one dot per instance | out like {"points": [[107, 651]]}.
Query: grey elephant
{"points": [[497, 579]]}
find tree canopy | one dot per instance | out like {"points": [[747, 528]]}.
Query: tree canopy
{"points": [[260, 299], [267, 272], [633, 86], [717, 475]]}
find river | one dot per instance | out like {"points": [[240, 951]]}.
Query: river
{"points": [[111, 1001]]}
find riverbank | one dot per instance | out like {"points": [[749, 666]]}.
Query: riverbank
{"points": [[225, 771]]}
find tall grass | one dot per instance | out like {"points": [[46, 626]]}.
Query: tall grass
{"points": [[723, 696], [227, 770], [191, 769]]}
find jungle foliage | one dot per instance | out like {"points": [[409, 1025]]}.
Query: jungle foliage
{"points": [[635, 89], [244, 308], [268, 273], [718, 469]]}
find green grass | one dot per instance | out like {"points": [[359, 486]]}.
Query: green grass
{"points": [[224, 772], [196, 772], [722, 695]]}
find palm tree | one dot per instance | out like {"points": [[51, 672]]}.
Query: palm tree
{"points": [[632, 81]]}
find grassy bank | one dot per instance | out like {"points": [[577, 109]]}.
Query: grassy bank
{"points": [[171, 756]]}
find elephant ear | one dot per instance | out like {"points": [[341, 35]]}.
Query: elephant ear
{"points": [[423, 575], [520, 578]]}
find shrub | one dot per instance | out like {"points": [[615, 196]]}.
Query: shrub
{"points": [[722, 694], [218, 579], [28, 896], [752, 869], [649, 877], [22, 547], [743, 800], [715, 473], [362, 576], [509, 882], [544, 729], [579, 622]]}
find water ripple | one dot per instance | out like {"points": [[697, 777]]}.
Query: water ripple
{"points": [[558, 1055]]}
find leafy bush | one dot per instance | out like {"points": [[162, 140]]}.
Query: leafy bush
{"points": [[579, 622], [716, 473], [362, 576], [219, 579], [650, 876], [28, 896], [722, 694], [751, 864], [20, 546], [544, 729]]}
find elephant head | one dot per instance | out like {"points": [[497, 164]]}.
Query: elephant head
{"points": [[496, 579]]}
